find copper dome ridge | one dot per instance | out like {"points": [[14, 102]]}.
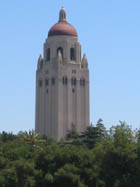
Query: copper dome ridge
{"points": [[62, 27]]}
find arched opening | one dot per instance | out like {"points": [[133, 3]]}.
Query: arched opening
{"points": [[82, 82], [61, 50], [46, 82], [72, 53], [73, 81], [48, 54], [65, 80]]}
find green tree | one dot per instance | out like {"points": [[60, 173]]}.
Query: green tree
{"points": [[72, 133], [93, 134], [101, 130], [30, 137], [4, 136], [68, 176]]}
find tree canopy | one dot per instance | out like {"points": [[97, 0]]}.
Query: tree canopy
{"points": [[95, 158]]}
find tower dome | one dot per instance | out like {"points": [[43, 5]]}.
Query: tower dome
{"points": [[62, 27]]}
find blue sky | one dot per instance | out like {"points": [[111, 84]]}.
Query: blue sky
{"points": [[109, 31]]}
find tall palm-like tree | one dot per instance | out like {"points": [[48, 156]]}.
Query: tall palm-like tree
{"points": [[30, 137]]}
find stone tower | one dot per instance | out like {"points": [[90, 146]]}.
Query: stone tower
{"points": [[62, 83]]}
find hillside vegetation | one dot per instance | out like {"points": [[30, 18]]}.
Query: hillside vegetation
{"points": [[96, 158]]}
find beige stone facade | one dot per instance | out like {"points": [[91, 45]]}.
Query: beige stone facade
{"points": [[62, 85]]}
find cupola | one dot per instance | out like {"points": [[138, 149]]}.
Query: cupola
{"points": [[62, 27]]}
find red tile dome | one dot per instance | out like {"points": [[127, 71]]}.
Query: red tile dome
{"points": [[62, 27]]}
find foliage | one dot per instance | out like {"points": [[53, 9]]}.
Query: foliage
{"points": [[95, 158]]}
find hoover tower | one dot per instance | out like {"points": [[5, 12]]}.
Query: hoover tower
{"points": [[62, 83]]}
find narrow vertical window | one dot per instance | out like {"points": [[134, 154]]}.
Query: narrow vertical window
{"points": [[73, 81], [48, 54], [82, 82], [65, 80], [46, 82], [72, 53], [40, 83], [74, 71], [53, 81]]}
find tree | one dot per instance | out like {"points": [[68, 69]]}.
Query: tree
{"points": [[30, 137], [94, 158], [68, 176], [4, 136], [72, 133], [93, 134], [101, 130]]}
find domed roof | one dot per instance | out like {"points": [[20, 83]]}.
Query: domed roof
{"points": [[62, 27]]}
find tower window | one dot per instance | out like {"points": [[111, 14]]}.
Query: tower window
{"points": [[73, 90], [53, 81], [61, 50], [48, 54], [82, 82], [46, 82], [40, 83], [65, 80], [72, 53], [74, 71], [73, 81]]}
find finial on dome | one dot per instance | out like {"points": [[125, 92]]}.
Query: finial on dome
{"points": [[62, 14]]}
